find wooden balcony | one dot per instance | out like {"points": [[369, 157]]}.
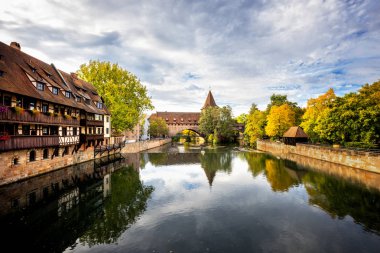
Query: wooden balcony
{"points": [[8, 114], [14, 142], [68, 140], [91, 137], [86, 122]]}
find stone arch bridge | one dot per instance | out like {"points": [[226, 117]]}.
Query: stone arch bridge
{"points": [[179, 121]]}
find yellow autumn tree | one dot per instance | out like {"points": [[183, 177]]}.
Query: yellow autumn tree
{"points": [[279, 119], [314, 110]]}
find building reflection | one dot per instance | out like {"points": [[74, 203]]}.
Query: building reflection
{"points": [[211, 161], [93, 203]]}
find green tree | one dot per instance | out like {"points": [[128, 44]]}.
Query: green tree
{"points": [[122, 92], [242, 118], [255, 127], [218, 122], [280, 119], [225, 126], [354, 117], [278, 100], [208, 120], [158, 127], [314, 111]]}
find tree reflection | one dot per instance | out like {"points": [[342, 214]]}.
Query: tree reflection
{"points": [[278, 176], [213, 161], [340, 198], [336, 196], [127, 202]]}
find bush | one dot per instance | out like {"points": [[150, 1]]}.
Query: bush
{"points": [[210, 138], [357, 144], [176, 138]]}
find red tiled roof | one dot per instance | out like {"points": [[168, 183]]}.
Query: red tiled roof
{"points": [[178, 117], [210, 101], [19, 67]]}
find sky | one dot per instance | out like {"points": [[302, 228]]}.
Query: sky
{"points": [[244, 51]]}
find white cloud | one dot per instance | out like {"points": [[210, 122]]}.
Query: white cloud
{"points": [[242, 49]]}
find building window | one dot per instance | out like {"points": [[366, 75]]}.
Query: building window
{"points": [[32, 198], [75, 131], [54, 91], [107, 130], [45, 153], [64, 131], [99, 105], [45, 108], [45, 131], [67, 94], [54, 130], [32, 156], [15, 203], [26, 130], [40, 86], [15, 161], [107, 118], [78, 99], [7, 101], [34, 70]]}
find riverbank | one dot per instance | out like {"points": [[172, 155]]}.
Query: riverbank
{"points": [[367, 161], [11, 172]]}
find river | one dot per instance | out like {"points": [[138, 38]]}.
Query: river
{"points": [[188, 199]]}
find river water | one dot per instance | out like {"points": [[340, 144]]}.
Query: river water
{"points": [[187, 199]]}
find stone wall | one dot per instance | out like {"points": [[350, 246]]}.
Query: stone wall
{"points": [[355, 159], [10, 172], [136, 147]]}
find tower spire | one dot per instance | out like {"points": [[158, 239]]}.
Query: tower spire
{"points": [[210, 101]]}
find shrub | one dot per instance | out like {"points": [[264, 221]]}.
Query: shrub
{"points": [[359, 145]]}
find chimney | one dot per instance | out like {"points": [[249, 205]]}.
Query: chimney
{"points": [[15, 45]]}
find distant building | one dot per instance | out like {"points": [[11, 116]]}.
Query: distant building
{"points": [[179, 121]]}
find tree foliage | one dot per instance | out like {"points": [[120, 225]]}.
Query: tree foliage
{"points": [[315, 110], [208, 120], [279, 119], [242, 118], [158, 127], [255, 127], [278, 100], [218, 122], [354, 117], [121, 91]]}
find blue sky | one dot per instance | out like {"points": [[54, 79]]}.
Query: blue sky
{"points": [[243, 50]]}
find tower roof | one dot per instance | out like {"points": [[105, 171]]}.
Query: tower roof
{"points": [[209, 101]]}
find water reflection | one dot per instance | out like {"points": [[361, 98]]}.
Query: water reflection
{"points": [[217, 200], [89, 204], [339, 198]]}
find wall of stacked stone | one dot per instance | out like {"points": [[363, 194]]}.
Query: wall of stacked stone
{"points": [[136, 147], [356, 159], [10, 172]]}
